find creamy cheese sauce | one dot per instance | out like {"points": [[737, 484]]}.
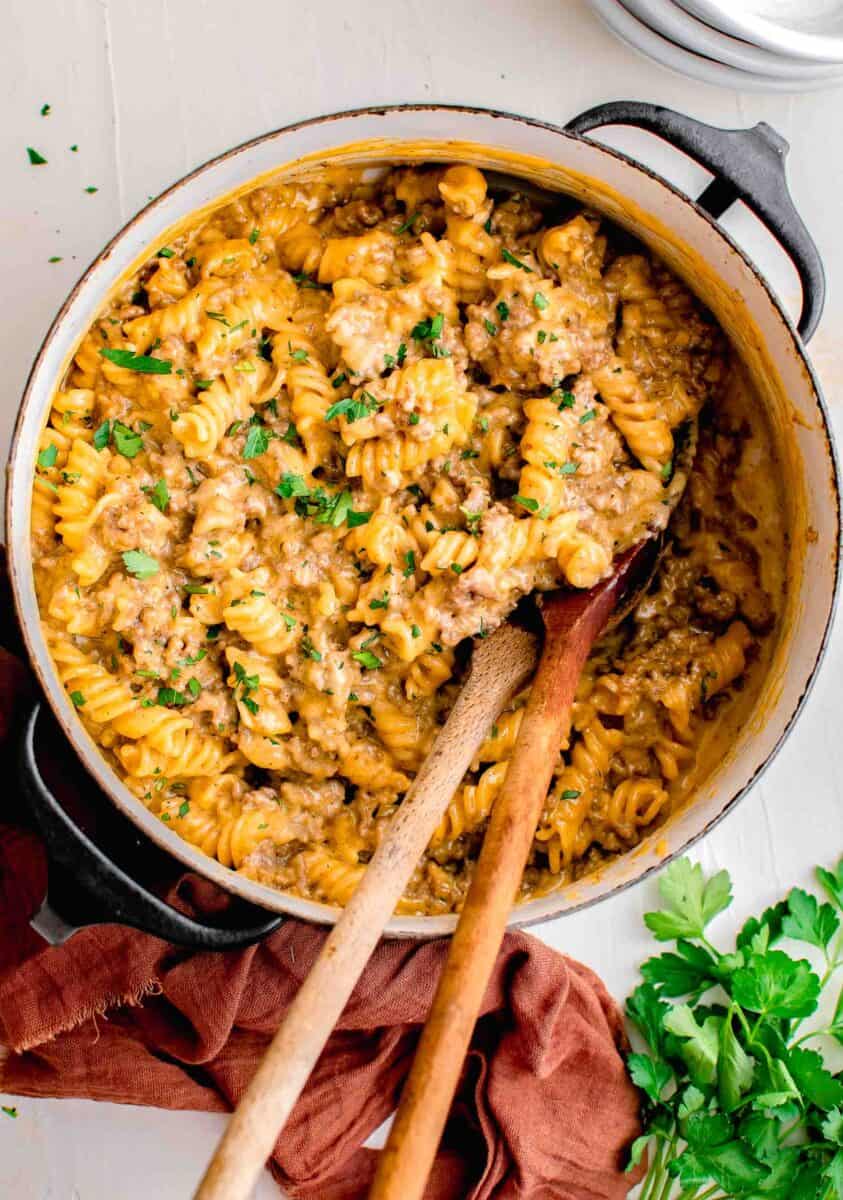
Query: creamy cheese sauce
{"points": [[336, 429]]}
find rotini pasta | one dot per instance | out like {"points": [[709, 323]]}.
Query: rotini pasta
{"points": [[338, 427]]}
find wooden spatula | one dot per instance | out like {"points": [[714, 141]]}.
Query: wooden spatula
{"points": [[500, 664], [572, 621]]}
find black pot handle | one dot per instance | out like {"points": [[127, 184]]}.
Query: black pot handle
{"points": [[122, 899], [748, 165]]}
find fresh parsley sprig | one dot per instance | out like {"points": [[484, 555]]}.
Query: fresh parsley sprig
{"points": [[735, 1103]]}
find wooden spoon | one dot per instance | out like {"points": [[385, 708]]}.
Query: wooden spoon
{"points": [[500, 664], [573, 621]]}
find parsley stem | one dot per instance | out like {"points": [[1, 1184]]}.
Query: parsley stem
{"points": [[805, 1036], [708, 1192], [667, 1185], [711, 949], [653, 1174]]}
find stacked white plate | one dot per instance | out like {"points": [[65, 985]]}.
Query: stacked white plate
{"points": [[751, 45]]}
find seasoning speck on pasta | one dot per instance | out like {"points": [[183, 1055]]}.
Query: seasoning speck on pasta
{"points": [[337, 428]]}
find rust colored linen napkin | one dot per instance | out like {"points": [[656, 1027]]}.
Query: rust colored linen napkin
{"points": [[545, 1109]]}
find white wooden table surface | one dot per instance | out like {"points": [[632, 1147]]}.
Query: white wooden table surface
{"points": [[149, 89]]}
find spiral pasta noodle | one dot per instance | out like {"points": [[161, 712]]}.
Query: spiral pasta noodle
{"points": [[333, 433]]}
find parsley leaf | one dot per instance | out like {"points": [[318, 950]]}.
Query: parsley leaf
{"points": [[257, 441], [808, 921], [140, 564], [773, 984], [144, 364], [690, 901], [126, 441], [159, 495], [367, 659], [516, 262]]}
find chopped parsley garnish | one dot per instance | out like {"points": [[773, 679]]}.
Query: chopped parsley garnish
{"points": [[415, 631], [168, 697], [465, 454], [257, 441], [354, 410], [126, 441], [158, 495], [408, 224], [382, 603], [144, 364], [413, 418], [193, 659], [588, 416], [367, 659], [527, 502], [309, 650], [290, 435], [402, 354], [565, 468], [541, 337], [457, 569], [410, 560], [289, 621], [339, 380], [166, 252], [502, 309], [326, 508], [194, 686], [46, 109], [667, 472], [491, 327], [47, 457], [568, 400], [218, 316], [247, 685], [36, 159], [429, 329], [55, 258], [78, 699], [570, 794], [197, 589], [254, 235], [297, 355], [539, 302], [91, 190], [472, 520], [140, 564], [102, 435], [516, 262]]}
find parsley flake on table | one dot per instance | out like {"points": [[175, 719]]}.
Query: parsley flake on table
{"points": [[35, 159]]}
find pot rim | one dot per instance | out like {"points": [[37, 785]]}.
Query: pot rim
{"points": [[284, 902]]}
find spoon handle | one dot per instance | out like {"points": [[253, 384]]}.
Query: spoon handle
{"points": [[500, 665], [572, 623]]}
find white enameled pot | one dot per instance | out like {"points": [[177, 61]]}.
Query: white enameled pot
{"points": [[689, 239]]}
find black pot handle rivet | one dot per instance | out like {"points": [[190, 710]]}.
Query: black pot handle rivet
{"points": [[120, 898], [748, 165]]}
